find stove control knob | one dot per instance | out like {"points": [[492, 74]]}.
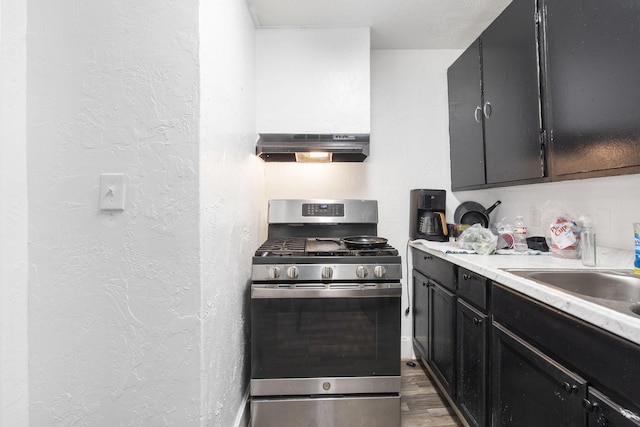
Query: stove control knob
{"points": [[327, 272], [292, 272], [379, 271], [274, 272], [362, 271]]}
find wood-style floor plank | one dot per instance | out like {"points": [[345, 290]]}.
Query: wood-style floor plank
{"points": [[422, 404]]}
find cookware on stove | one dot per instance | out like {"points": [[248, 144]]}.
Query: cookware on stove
{"points": [[364, 241], [473, 213], [355, 242]]}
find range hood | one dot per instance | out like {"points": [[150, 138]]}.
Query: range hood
{"points": [[286, 147]]}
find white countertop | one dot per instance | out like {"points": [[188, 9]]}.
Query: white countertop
{"points": [[490, 266]]}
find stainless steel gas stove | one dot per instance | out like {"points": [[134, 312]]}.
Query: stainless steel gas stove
{"points": [[325, 325]]}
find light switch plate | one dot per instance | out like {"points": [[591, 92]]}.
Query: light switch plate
{"points": [[112, 191]]}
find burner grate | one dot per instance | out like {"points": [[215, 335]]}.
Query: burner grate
{"points": [[283, 246]]}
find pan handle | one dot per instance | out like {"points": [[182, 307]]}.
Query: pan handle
{"points": [[492, 207]]}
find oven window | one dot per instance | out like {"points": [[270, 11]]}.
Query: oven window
{"points": [[325, 337]]}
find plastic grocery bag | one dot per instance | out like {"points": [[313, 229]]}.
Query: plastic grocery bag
{"points": [[479, 239], [562, 230]]}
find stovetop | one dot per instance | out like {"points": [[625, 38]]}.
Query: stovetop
{"points": [[318, 246], [309, 259], [304, 245]]}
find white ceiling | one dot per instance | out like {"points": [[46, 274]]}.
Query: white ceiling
{"points": [[395, 24]]}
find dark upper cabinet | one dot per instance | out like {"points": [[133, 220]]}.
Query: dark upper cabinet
{"points": [[592, 56], [465, 119], [558, 95], [494, 104], [512, 95]]}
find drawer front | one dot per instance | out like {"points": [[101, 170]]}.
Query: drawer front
{"points": [[608, 362], [435, 268], [473, 288]]}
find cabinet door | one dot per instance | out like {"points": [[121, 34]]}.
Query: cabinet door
{"points": [[465, 120], [511, 95], [529, 388], [443, 330], [602, 412], [421, 314], [593, 64], [472, 363]]}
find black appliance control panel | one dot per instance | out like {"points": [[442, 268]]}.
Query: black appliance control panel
{"points": [[323, 209]]}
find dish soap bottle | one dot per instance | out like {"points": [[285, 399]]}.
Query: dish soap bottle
{"points": [[519, 235], [588, 239]]}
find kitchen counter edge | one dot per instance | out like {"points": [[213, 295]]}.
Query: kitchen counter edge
{"points": [[491, 267]]}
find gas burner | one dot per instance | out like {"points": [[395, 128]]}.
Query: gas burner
{"points": [[282, 246]]}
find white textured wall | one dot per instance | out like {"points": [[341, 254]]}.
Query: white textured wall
{"points": [[13, 217], [409, 148], [114, 298], [313, 80], [232, 205]]}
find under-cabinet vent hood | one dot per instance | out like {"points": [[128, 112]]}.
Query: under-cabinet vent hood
{"points": [[280, 147]]}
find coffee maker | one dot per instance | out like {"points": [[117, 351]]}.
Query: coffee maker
{"points": [[427, 215]]}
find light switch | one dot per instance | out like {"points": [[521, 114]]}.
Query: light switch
{"points": [[112, 190]]}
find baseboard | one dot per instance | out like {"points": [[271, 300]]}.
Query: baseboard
{"points": [[244, 414]]}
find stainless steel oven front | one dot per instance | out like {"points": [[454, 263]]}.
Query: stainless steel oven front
{"points": [[326, 349]]}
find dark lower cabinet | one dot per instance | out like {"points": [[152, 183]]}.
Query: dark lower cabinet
{"points": [[531, 389], [443, 333], [603, 412], [505, 359], [472, 372], [421, 314]]}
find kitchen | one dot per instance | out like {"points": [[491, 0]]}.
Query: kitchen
{"points": [[140, 317]]}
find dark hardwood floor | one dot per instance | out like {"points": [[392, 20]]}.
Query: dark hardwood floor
{"points": [[422, 404]]}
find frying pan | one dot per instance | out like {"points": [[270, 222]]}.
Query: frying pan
{"points": [[364, 241], [353, 242], [473, 213]]}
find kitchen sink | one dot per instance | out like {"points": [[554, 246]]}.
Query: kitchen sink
{"points": [[617, 289]]}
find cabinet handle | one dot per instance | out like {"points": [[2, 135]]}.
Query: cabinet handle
{"points": [[476, 115], [568, 387], [476, 321], [487, 109], [466, 276], [589, 406], [427, 257]]}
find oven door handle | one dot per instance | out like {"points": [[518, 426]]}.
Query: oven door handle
{"points": [[388, 290]]}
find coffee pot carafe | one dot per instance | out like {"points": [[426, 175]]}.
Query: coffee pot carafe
{"points": [[427, 215]]}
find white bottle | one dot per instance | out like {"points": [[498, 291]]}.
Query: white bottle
{"points": [[519, 235]]}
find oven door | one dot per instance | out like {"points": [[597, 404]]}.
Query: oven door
{"points": [[325, 338]]}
